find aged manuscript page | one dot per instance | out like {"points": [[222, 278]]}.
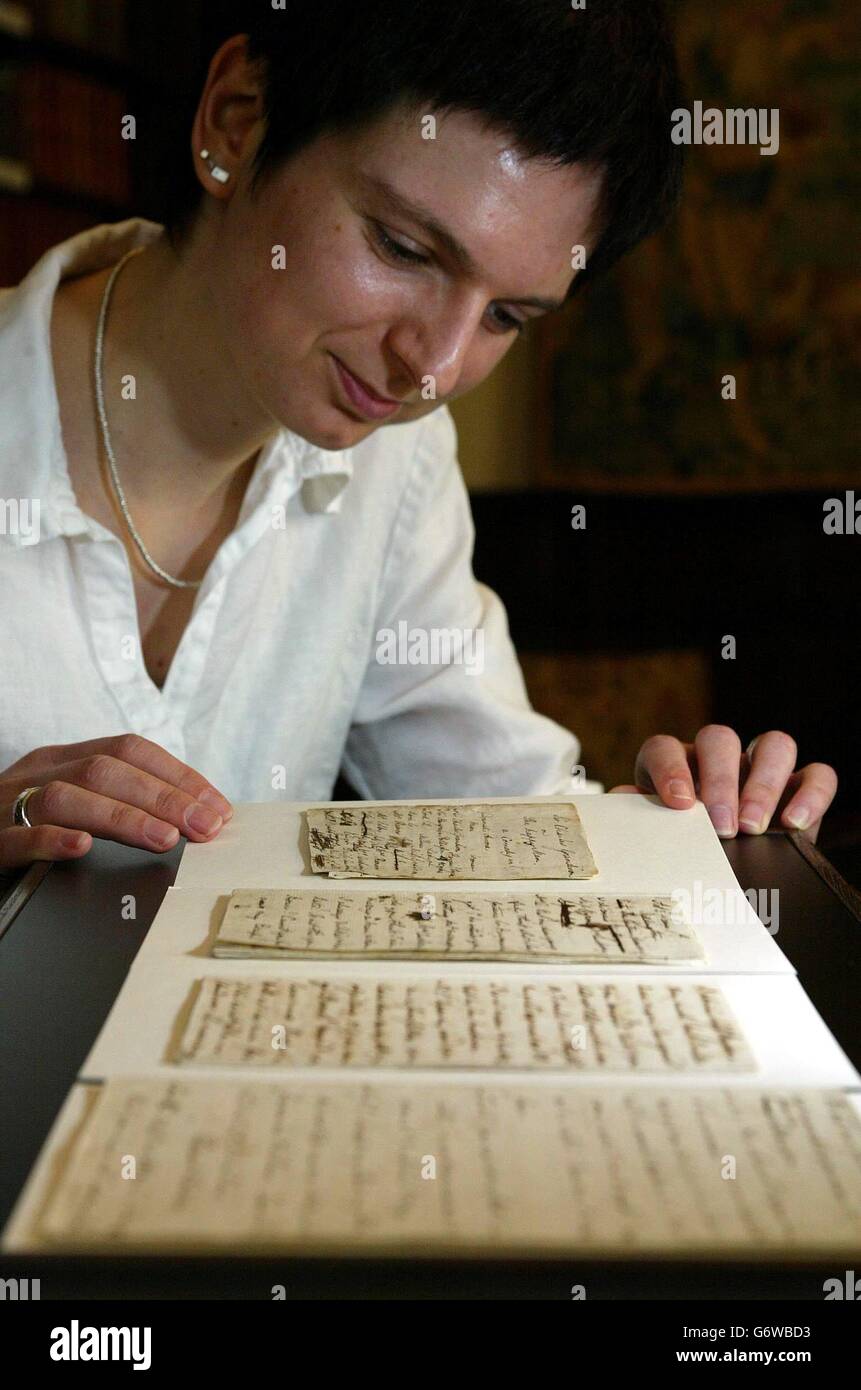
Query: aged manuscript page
{"points": [[490, 925], [434, 1023], [198, 1163], [449, 840]]}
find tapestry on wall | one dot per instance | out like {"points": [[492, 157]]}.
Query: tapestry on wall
{"points": [[724, 352]]}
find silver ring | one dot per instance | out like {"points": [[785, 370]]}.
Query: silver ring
{"points": [[19, 810]]}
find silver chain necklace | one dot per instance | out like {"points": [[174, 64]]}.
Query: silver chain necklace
{"points": [[103, 420]]}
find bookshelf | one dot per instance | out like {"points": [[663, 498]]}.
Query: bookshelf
{"points": [[66, 78]]}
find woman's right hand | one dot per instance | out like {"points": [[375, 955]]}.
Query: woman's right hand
{"points": [[124, 788]]}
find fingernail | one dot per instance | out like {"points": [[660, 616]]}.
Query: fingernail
{"points": [[204, 821], [680, 790], [752, 818], [721, 819], [74, 841], [799, 818], [162, 836], [213, 798]]}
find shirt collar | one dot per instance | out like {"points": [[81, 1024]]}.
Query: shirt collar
{"points": [[32, 457]]}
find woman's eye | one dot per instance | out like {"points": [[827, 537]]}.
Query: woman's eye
{"points": [[395, 249], [508, 322]]}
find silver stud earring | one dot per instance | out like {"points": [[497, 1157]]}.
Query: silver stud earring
{"points": [[215, 169]]}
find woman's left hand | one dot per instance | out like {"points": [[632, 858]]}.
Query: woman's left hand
{"points": [[745, 791]]}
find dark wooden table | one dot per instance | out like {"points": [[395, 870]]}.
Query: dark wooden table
{"points": [[67, 952]]}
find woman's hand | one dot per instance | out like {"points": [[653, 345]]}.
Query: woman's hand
{"points": [[742, 791], [123, 788]]}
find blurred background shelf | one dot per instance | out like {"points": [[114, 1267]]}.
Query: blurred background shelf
{"points": [[66, 83]]}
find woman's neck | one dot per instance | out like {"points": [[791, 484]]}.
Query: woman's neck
{"points": [[188, 432]]}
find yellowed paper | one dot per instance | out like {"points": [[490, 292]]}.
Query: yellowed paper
{"points": [[449, 840], [462, 1023], [356, 925], [193, 1163]]}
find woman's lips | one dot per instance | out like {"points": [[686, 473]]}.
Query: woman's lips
{"points": [[362, 397]]}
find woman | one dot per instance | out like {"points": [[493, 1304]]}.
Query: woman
{"points": [[231, 437]]}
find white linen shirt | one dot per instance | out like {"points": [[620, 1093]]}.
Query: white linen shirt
{"points": [[275, 685]]}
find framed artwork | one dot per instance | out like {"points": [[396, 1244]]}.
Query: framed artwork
{"points": [[724, 353]]}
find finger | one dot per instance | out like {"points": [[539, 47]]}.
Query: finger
{"points": [[817, 787], [788, 796], [718, 751], [641, 791], [771, 765], [65, 804], [139, 752], [122, 782], [662, 766], [20, 845]]}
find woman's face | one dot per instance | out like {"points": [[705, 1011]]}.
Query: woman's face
{"points": [[319, 274]]}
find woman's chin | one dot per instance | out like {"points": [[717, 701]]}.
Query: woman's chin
{"points": [[336, 431]]}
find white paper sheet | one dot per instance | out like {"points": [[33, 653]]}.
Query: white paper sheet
{"points": [[640, 847], [398, 1169], [188, 921], [790, 1043]]}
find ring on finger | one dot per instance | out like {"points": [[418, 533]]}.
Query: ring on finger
{"points": [[19, 808]]}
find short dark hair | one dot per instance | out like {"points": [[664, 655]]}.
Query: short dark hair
{"points": [[595, 86]]}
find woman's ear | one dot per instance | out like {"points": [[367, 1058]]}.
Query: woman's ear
{"points": [[229, 122]]}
